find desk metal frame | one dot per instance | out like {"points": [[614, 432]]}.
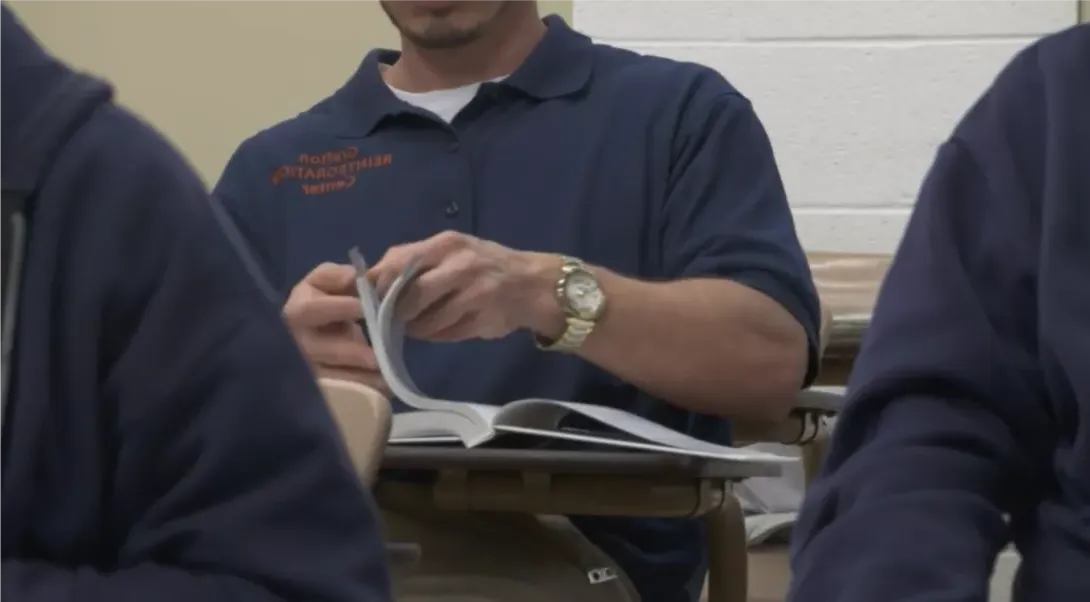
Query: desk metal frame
{"points": [[586, 483]]}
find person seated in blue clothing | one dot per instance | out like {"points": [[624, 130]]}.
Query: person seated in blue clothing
{"points": [[592, 224], [163, 437], [968, 420]]}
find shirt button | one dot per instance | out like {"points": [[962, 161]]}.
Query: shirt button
{"points": [[452, 209]]}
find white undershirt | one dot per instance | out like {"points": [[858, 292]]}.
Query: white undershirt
{"points": [[446, 104]]}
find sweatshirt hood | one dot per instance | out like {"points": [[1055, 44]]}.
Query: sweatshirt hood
{"points": [[43, 101]]}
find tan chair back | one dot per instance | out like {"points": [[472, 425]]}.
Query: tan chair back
{"points": [[363, 417]]}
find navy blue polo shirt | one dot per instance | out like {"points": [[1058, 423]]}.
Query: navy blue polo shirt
{"points": [[652, 168]]}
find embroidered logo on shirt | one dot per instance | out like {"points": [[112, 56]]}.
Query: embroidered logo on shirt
{"points": [[328, 171]]}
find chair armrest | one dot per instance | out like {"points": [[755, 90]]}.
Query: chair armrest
{"points": [[363, 417], [823, 402], [803, 425]]}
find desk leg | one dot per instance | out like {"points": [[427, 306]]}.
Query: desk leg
{"points": [[728, 564]]}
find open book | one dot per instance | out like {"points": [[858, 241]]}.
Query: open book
{"points": [[472, 424]]}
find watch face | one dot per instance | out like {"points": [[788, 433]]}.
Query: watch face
{"points": [[583, 295]]}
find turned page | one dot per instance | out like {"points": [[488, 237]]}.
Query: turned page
{"points": [[469, 422], [542, 417]]}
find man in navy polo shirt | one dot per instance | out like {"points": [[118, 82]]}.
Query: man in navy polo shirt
{"points": [[625, 210]]}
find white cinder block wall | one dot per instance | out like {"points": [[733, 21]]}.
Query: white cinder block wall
{"points": [[855, 94]]}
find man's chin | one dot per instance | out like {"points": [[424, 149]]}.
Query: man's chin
{"points": [[443, 41]]}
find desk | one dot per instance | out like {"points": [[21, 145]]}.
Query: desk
{"points": [[588, 483], [847, 284], [643, 484]]}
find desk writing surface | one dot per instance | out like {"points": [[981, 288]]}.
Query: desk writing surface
{"points": [[563, 461]]}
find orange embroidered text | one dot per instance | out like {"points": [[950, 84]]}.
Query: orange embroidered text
{"points": [[329, 171]]}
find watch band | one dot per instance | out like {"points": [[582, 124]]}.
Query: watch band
{"points": [[573, 337]]}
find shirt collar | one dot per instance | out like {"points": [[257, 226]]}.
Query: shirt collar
{"points": [[558, 66]]}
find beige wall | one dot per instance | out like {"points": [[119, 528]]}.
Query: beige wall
{"points": [[210, 74]]}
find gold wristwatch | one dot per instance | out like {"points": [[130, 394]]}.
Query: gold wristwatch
{"points": [[583, 302]]}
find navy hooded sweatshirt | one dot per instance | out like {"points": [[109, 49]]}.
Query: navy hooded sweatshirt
{"points": [[163, 438], [968, 423]]}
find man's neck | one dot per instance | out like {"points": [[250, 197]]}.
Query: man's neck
{"points": [[495, 55]]}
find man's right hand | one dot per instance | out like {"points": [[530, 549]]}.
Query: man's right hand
{"points": [[324, 315]]}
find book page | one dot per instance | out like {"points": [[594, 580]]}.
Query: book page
{"points": [[542, 417], [430, 426], [469, 422]]}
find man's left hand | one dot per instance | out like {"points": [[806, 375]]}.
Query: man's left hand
{"points": [[468, 288]]}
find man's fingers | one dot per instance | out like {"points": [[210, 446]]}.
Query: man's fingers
{"points": [[440, 315], [433, 287], [354, 332], [446, 330], [382, 274], [323, 310], [429, 252], [389, 267], [382, 279], [332, 278]]}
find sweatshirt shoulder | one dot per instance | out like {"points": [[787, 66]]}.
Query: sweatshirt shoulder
{"points": [[1066, 53], [125, 197], [1050, 75], [1053, 59], [129, 165], [1043, 89]]}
